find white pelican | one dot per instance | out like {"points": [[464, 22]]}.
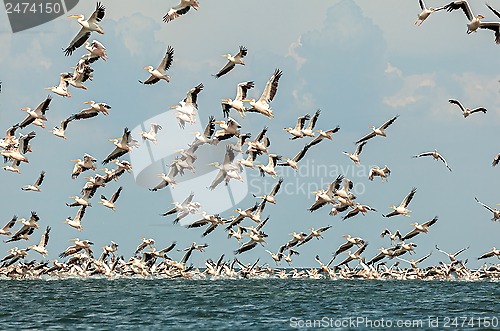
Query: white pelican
{"points": [[358, 208], [260, 143], [252, 243], [297, 131], [426, 12], [232, 61], [249, 161], [380, 131], [81, 201], [237, 104], [436, 157], [41, 247], [270, 168], [242, 213], [392, 236], [491, 253], [326, 196], [452, 257], [81, 74], [77, 221], [270, 197], [496, 160], [205, 136], [6, 229], [466, 111], [353, 256], [59, 131], [181, 9], [262, 105], [159, 73], [17, 153], [167, 179], [383, 173], [36, 185], [235, 234], [111, 202], [401, 209], [88, 25], [276, 257], [14, 167], [293, 162], [188, 108], [322, 135], [296, 239], [94, 110], [22, 233], [151, 135], [83, 165], [419, 228], [314, 234], [214, 220], [38, 113], [308, 131], [96, 51], [62, 88], [145, 243], [123, 146], [474, 21], [190, 250], [288, 258], [77, 247], [229, 128], [183, 209], [355, 156], [226, 166], [10, 139], [496, 212], [414, 264]]}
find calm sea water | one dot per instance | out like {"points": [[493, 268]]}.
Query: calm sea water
{"points": [[267, 304]]}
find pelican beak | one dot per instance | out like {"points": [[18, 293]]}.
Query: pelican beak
{"points": [[74, 16], [247, 100], [225, 100], [24, 108], [480, 16], [146, 68], [173, 107]]}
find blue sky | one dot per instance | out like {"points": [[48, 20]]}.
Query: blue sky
{"points": [[360, 63]]}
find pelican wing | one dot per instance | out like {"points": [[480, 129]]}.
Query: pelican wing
{"points": [[410, 234], [227, 68], [276, 187], [271, 86], [314, 119], [39, 181], [408, 198], [360, 148], [115, 196], [167, 60], [241, 53], [242, 89], [458, 103], [193, 94], [80, 39], [464, 5], [389, 122], [210, 128], [486, 255], [10, 223], [422, 4], [115, 154], [485, 206], [218, 179], [45, 237], [496, 12], [496, 160], [198, 223], [246, 247], [98, 13], [44, 105]]}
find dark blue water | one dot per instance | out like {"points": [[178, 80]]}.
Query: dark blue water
{"points": [[267, 304]]}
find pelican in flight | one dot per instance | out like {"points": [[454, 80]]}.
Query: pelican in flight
{"points": [[228, 129], [62, 88], [59, 131], [96, 51], [6, 229], [296, 132], [270, 197], [232, 61], [188, 107], [262, 105], [466, 111], [181, 9], [237, 104], [167, 179], [380, 131], [270, 167], [36, 185], [491, 253], [496, 160], [419, 228], [224, 168], [94, 110], [183, 209], [436, 157], [452, 257], [151, 135], [426, 12], [77, 221], [358, 208], [496, 212], [293, 162], [123, 146], [41, 247], [324, 134], [402, 208], [392, 236], [314, 234], [111, 202], [474, 21], [308, 131], [159, 73], [88, 25], [355, 156], [383, 173], [37, 113], [82, 165]]}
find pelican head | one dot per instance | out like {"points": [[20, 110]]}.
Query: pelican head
{"points": [[148, 68]]}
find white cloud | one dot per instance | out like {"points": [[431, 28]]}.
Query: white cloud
{"points": [[292, 52]]}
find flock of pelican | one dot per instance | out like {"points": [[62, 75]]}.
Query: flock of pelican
{"points": [[246, 227]]}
